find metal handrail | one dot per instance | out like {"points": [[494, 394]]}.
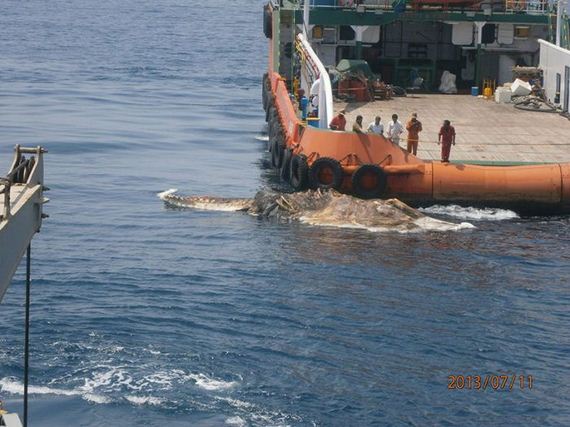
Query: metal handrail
{"points": [[530, 7]]}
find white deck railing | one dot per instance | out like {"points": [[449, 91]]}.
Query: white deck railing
{"points": [[312, 69]]}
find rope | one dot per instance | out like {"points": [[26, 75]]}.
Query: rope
{"points": [[27, 333]]}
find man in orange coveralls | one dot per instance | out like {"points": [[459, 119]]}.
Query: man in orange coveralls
{"points": [[414, 127], [338, 122], [446, 138]]}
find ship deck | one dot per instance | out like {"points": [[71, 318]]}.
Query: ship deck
{"points": [[486, 131]]}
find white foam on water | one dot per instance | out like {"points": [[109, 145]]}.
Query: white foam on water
{"points": [[236, 403], [13, 386], [263, 138], [257, 414], [112, 378], [109, 380], [476, 214], [416, 226], [432, 224], [161, 379], [210, 384], [96, 398], [144, 400], [236, 421]]}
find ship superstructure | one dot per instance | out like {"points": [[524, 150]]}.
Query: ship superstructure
{"points": [[474, 40]]}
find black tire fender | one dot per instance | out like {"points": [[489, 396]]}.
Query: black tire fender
{"points": [[277, 149], [276, 132], [298, 172], [264, 92], [325, 173], [267, 21], [269, 112], [369, 182], [286, 164]]}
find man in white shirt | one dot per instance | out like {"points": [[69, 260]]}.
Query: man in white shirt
{"points": [[376, 127], [315, 87], [395, 129]]}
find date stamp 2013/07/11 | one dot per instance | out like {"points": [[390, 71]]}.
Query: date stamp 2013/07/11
{"points": [[495, 382]]}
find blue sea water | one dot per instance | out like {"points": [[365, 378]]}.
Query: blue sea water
{"points": [[145, 315]]}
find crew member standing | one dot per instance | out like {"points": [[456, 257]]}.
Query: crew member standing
{"points": [[376, 127], [357, 126], [338, 122], [446, 139], [303, 104], [414, 127], [395, 129]]}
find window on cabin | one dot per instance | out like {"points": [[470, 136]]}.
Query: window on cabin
{"points": [[347, 33], [522, 32]]}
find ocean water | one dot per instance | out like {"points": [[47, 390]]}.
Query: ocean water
{"points": [[147, 315]]}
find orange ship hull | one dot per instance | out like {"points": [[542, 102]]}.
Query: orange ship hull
{"points": [[345, 156]]}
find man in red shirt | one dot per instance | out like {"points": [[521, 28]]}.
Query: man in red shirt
{"points": [[446, 138], [338, 122]]}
